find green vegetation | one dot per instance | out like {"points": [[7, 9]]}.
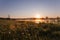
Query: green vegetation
{"points": [[13, 30]]}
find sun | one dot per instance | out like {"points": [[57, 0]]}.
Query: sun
{"points": [[37, 16], [37, 20]]}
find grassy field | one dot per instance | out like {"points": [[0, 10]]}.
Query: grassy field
{"points": [[21, 30]]}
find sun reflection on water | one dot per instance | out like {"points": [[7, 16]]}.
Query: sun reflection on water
{"points": [[37, 21]]}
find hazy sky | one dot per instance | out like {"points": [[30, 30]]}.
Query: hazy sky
{"points": [[29, 8]]}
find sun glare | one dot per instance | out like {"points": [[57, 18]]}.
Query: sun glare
{"points": [[37, 20], [37, 16]]}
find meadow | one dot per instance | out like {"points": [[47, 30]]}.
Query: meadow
{"points": [[23, 30]]}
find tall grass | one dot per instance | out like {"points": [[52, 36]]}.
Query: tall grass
{"points": [[12, 30]]}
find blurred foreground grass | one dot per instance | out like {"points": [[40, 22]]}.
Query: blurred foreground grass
{"points": [[14, 30]]}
